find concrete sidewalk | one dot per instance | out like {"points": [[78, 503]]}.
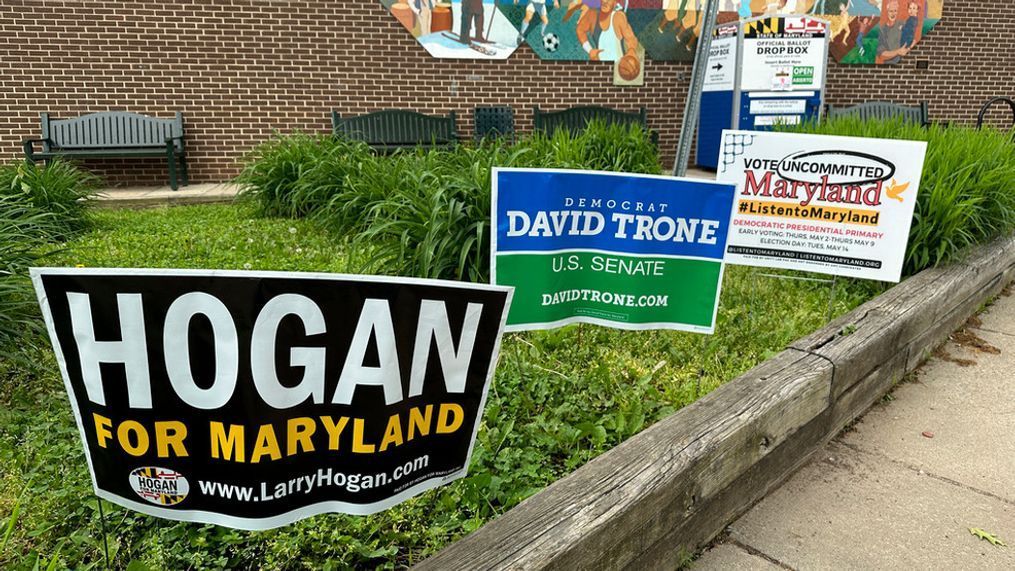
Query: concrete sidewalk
{"points": [[902, 489], [147, 196]]}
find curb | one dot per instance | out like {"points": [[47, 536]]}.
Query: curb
{"points": [[143, 197], [139, 203], [674, 487]]}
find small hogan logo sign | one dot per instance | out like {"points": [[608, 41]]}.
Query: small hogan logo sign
{"points": [[160, 485]]}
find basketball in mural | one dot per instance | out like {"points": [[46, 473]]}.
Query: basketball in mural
{"points": [[629, 67]]}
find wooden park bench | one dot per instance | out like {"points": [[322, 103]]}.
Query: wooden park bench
{"points": [[397, 128], [112, 134], [576, 119], [881, 110]]}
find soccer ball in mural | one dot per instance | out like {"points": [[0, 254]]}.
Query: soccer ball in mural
{"points": [[551, 42]]}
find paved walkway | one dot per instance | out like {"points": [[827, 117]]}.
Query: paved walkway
{"points": [[902, 489], [140, 197]]}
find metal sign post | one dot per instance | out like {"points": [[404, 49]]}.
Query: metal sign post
{"points": [[102, 523], [693, 103]]}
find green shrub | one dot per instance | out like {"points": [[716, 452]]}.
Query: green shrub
{"points": [[293, 175], [39, 204], [422, 212], [600, 147], [967, 193], [23, 229], [434, 222], [58, 188]]}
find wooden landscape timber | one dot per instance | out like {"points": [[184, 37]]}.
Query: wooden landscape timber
{"points": [[671, 489]]}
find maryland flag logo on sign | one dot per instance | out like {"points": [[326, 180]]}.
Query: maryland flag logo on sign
{"points": [[805, 27], [764, 27], [159, 485]]}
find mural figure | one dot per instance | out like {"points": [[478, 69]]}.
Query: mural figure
{"points": [[677, 14], [423, 11], [580, 5], [839, 23], [864, 25], [744, 11], [909, 29], [890, 46], [605, 35], [535, 7], [472, 12]]}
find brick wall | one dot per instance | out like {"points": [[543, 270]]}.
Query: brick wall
{"points": [[243, 69]]}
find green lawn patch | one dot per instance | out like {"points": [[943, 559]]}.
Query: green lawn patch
{"points": [[559, 398]]}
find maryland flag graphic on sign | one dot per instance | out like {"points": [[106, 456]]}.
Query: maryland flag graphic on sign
{"points": [[765, 27], [160, 486]]}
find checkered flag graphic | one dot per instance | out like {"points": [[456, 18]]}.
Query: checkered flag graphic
{"points": [[733, 146]]}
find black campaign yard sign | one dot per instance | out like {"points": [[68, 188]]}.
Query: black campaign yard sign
{"points": [[255, 399]]}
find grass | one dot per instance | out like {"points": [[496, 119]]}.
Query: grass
{"points": [[559, 398], [219, 237]]}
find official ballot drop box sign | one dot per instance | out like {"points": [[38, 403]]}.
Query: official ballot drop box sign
{"points": [[761, 72]]}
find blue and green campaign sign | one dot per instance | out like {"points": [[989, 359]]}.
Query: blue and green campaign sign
{"points": [[621, 250]]}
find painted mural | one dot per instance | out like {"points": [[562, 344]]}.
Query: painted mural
{"points": [[627, 32], [458, 29]]}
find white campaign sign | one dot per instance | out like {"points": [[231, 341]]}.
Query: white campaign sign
{"points": [[834, 205], [789, 59]]}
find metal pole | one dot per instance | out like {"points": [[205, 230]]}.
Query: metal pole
{"points": [[102, 522], [489, 28], [831, 299], [693, 104]]}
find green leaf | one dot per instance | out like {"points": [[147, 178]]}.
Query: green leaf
{"points": [[987, 536], [13, 519]]}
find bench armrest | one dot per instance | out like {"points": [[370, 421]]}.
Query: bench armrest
{"points": [[29, 146], [171, 143]]}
